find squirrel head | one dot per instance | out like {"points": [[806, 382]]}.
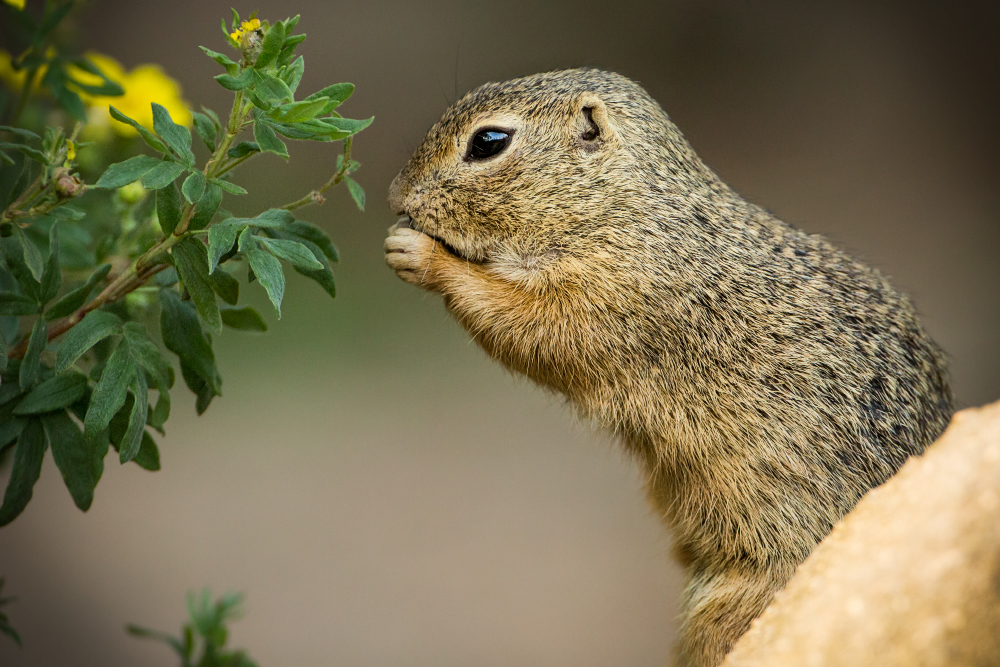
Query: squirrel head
{"points": [[526, 165]]}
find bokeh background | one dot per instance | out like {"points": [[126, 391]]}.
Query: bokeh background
{"points": [[384, 493]]}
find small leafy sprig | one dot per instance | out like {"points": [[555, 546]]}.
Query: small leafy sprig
{"points": [[205, 634], [5, 626], [96, 360]]}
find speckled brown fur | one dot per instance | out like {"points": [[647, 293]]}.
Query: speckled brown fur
{"points": [[763, 378]]}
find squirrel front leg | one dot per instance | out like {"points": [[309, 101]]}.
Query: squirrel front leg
{"points": [[515, 322]]}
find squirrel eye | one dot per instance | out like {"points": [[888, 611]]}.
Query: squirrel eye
{"points": [[487, 143]]}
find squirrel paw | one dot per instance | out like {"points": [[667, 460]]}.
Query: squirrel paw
{"points": [[410, 254]]}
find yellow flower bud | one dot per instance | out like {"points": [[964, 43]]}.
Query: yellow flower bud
{"points": [[251, 25], [132, 193], [16, 4]]}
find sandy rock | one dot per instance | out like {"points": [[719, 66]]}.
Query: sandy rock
{"points": [[910, 577]]}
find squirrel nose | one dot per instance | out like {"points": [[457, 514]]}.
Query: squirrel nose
{"points": [[397, 195]]}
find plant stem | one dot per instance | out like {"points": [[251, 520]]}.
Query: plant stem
{"points": [[316, 196], [126, 282], [22, 97]]}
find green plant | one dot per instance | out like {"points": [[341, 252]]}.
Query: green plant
{"points": [[206, 633], [95, 281]]}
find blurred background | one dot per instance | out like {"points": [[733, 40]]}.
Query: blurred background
{"points": [[382, 491]]}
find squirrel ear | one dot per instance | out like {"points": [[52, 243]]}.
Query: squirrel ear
{"points": [[591, 121]]}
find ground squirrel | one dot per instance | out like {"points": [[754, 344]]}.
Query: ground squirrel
{"points": [[764, 379]]}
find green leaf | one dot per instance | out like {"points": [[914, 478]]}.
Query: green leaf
{"points": [[129, 171], [107, 87], [80, 462], [221, 237], [288, 50], [132, 440], [194, 186], [222, 59], [32, 255], [177, 137], [293, 251], [323, 277], [290, 24], [213, 117], [243, 149], [93, 328], [148, 457], [349, 125], [292, 74], [13, 251], [6, 628], [357, 192], [231, 188], [29, 365], [266, 268], [52, 274], [161, 412], [299, 111], [162, 175], [20, 185], [205, 128], [239, 82], [27, 134], [244, 319], [109, 394], [26, 150], [271, 88], [204, 393], [67, 213], [25, 470], [227, 287], [76, 298], [12, 303], [151, 139], [168, 208], [321, 249], [315, 235], [9, 388], [267, 140], [147, 354], [183, 335], [273, 40], [207, 206], [10, 428], [337, 94], [191, 262], [56, 393], [54, 17], [272, 218]]}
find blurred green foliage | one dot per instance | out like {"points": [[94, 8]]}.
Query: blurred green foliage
{"points": [[205, 634]]}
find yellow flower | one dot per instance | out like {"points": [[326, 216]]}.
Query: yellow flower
{"points": [[16, 4], [143, 85], [245, 27], [14, 78]]}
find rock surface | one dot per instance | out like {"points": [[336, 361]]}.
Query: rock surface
{"points": [[910, 577]]}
